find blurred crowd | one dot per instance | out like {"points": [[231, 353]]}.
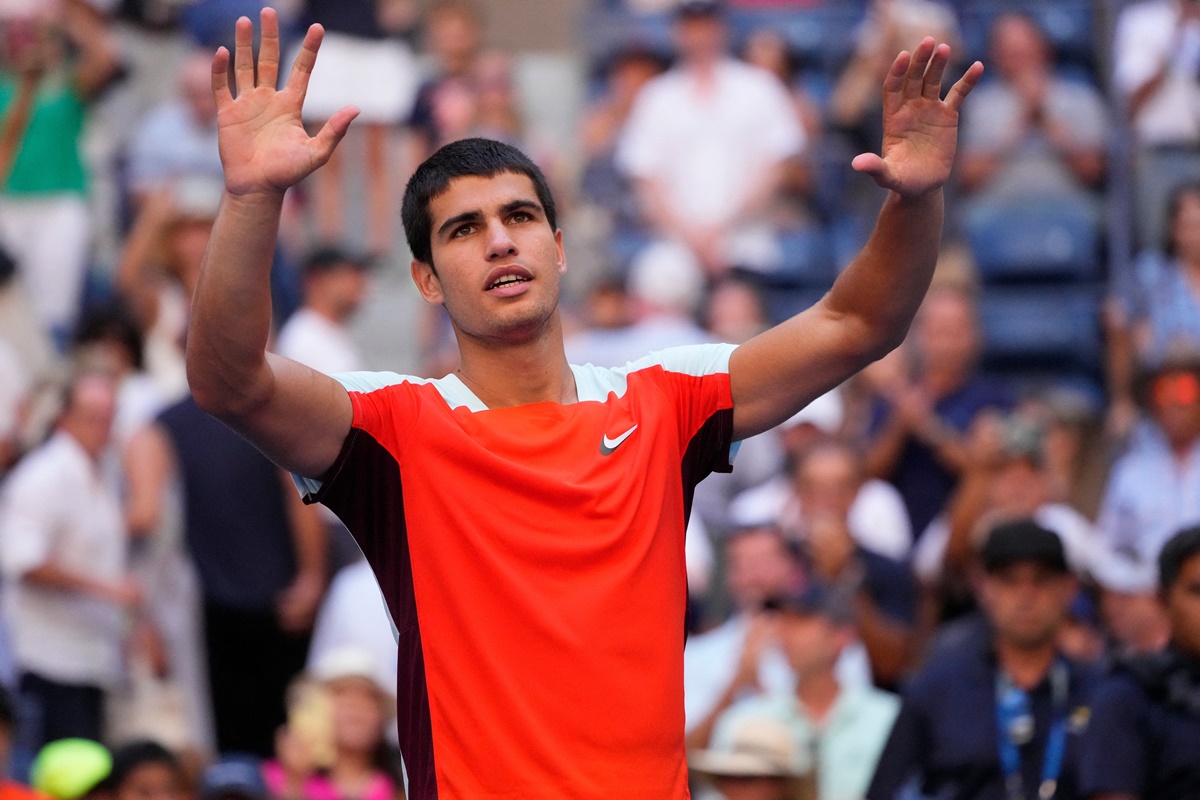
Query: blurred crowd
{"points": [[972, 571]]}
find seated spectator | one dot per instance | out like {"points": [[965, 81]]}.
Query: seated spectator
{"points": [[1156, 64], [1156, 308], [1005, 479], [1002, 715], [877, 518], [335, 284], [1036, 136], [347, 754], [177, 138], [756, 758], [157, 273], [451, 32], [1144, 732], [735, 311], [1129, 605], [736, 120], [63, 550], [146, 769], [1154, 488], [72, 769], [45, 222], [842, 731], [924, 409]]}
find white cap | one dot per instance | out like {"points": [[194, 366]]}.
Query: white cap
{"points": [[826, 413], [349, 661], [1117, 572], [754, 747], [667, 275]]}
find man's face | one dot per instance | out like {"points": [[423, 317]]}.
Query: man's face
{"points": [[498, 262], [946, 334], [1183, 607], [700, 38], [810, 641], [343, 287], [759, 567], [827, 482], [1175, 405], [1027, 602]]}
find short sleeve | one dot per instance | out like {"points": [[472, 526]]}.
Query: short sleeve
{"points": [[384, 407], [27, 521], [1113, 752]]}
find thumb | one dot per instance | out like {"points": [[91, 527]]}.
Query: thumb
{"points": [[332, 132], [873, 165]]}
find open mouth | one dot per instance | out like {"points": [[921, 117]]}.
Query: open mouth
{"points": [[507, 280]]}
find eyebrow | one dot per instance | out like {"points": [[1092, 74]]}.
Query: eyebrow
{"points": [[474, 215]]}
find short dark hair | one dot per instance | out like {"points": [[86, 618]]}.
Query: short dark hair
{"points": [[482, 158], [129, 757], [113, 322], [1180, 548]]}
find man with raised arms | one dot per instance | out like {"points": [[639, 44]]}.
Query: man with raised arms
{"points": [[525, 516]]}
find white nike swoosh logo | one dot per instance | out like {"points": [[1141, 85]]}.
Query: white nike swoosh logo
{"points": [[608, 445]]}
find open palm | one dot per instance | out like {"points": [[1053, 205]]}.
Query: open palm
{"points": [[920, 130], [263, 144]]}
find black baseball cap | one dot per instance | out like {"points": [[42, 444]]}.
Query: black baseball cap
{"points": [[1023, 540]]}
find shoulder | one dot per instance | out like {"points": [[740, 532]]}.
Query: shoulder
{"points": [[698, 360]]}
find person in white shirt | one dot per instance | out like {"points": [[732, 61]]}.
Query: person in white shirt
{"points": [[334, 285], [63, 560], [704, 144]]}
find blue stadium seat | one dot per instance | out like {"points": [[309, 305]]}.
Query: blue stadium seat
{"points": [[1049, 240], [1036, 326]]}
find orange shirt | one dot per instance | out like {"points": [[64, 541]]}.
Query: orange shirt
{"points": [[532, 560]]}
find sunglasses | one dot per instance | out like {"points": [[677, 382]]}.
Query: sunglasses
{"points": [[1180, 388]]}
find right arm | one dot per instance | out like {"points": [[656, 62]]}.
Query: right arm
{"points": [[297, 416]]}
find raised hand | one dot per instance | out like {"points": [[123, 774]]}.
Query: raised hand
{"points": [[264, 147], [920, 130]]}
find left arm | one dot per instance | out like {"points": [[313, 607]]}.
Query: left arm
{"points": [[873, 301], [297, 605]]}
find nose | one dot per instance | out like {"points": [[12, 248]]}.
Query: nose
{"points": [[499, 242]]}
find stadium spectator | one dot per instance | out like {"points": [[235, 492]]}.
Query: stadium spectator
{"points": [[452, 33], [334, 283], [735, 119], [735, 310], [1154, 488], [145, 770], [63, 552], [1037, 136], [742, 655], [1155, 308], [362, 37], [157, 273], [1130, 608], [1156, 74], [177, 138], [1005, 479], [260, 556], [756, 759], [1145, 728], [44, 217], [345, 752], [1002, 715], [921, 418], [841, 730]]}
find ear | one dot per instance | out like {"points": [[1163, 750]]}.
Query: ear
{"points": [[561, 254], [427, 281]]}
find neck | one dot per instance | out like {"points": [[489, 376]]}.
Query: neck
{"points": [[503, 374], [817, 692], [326, 311], [1025, 666]]}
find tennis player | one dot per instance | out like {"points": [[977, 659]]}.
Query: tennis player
{"points": [[524, 516]]}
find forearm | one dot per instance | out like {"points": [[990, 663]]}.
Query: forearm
{"points": [[885, 640], [231, 311], [308, 534], [883, 287], [52, 576], [16, 121]]}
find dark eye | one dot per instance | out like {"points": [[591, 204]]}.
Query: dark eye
{"points": [[462, 230], [521, 216]]}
